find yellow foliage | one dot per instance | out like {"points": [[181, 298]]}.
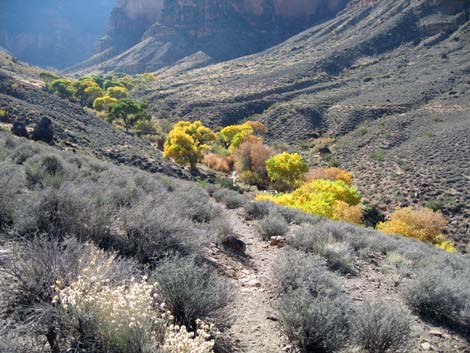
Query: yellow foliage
{"points": [[257, 126], [3, 113], [347, 213], [329, 174], [117, 92], [423, 224], [187, 142], [232, 136], [322, 198], [286, 168], [102, 103]]}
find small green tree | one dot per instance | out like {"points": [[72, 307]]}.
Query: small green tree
{"points": [[62, 87], [86, 91], [117, 92], [128, 111]]}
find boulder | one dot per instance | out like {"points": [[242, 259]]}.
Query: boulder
{"points": [[234, 244], [43, 131], [19, 129]]}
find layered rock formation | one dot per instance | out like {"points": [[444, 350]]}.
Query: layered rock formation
{"points": [[145, 35]]}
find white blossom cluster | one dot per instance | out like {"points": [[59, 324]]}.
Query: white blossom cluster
{"points": [[128, 315]]}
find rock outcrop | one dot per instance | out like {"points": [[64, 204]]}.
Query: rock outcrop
{"points": [[146, 35]]}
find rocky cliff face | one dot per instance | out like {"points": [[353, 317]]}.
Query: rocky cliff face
{"points": [[53, 33], [145, 35]]}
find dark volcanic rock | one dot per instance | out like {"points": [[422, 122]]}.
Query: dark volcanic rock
{"points": [[146, 35], [43, 131], [19, 129]]}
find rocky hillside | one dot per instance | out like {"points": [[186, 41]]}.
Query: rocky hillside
{"points": [[145, 35], [386, 81], [53, 33], [76, 129]]}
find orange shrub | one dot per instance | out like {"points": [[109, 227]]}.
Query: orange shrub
{"points": [[423, 224], [329, 174], [257, 126], [342, 211], [251, 157], [217, 162]]}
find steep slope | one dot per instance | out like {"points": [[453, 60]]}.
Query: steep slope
{"points": [[388, 80], [146, 35], [53, 33], [76, 129]]}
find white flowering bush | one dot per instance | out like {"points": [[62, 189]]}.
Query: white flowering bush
{"points": [[179, 340], [127, 316]]}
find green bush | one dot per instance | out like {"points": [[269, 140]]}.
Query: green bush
{"points": [[255, 210]]}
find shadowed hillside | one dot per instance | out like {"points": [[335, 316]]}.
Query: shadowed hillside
{"points": [[23, 99], [146, 35], [387, 82], [53, 33]]}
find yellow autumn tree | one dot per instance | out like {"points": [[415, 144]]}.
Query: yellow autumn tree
{"points": [[117, 92], [327, 198], [102, 103], [187, 142], [286, 169], [232, 136]]}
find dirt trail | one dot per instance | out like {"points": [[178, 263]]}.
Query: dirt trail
{"points": [[255, 326]]}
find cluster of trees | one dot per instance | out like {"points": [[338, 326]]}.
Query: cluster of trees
{"points": [[326, 192], [108, 95]]}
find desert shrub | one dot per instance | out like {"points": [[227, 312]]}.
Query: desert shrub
{"points": [[23, 152], [339, 257], [319, 197], [250, 162], [286, 169], [329, 174], [152, 230], [190, 291], [381, 328], [10, 183], [231, 199], [212, 188], [126, 316], [315, 324], [442, 294], [423, 224], [31, 271], [293, 215], [196, 204], [296, 270], [347, 213], [48, 170], [255, 210], [217, 162], [54, 212], [312, 309], [272, 226], [325, 239]]}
